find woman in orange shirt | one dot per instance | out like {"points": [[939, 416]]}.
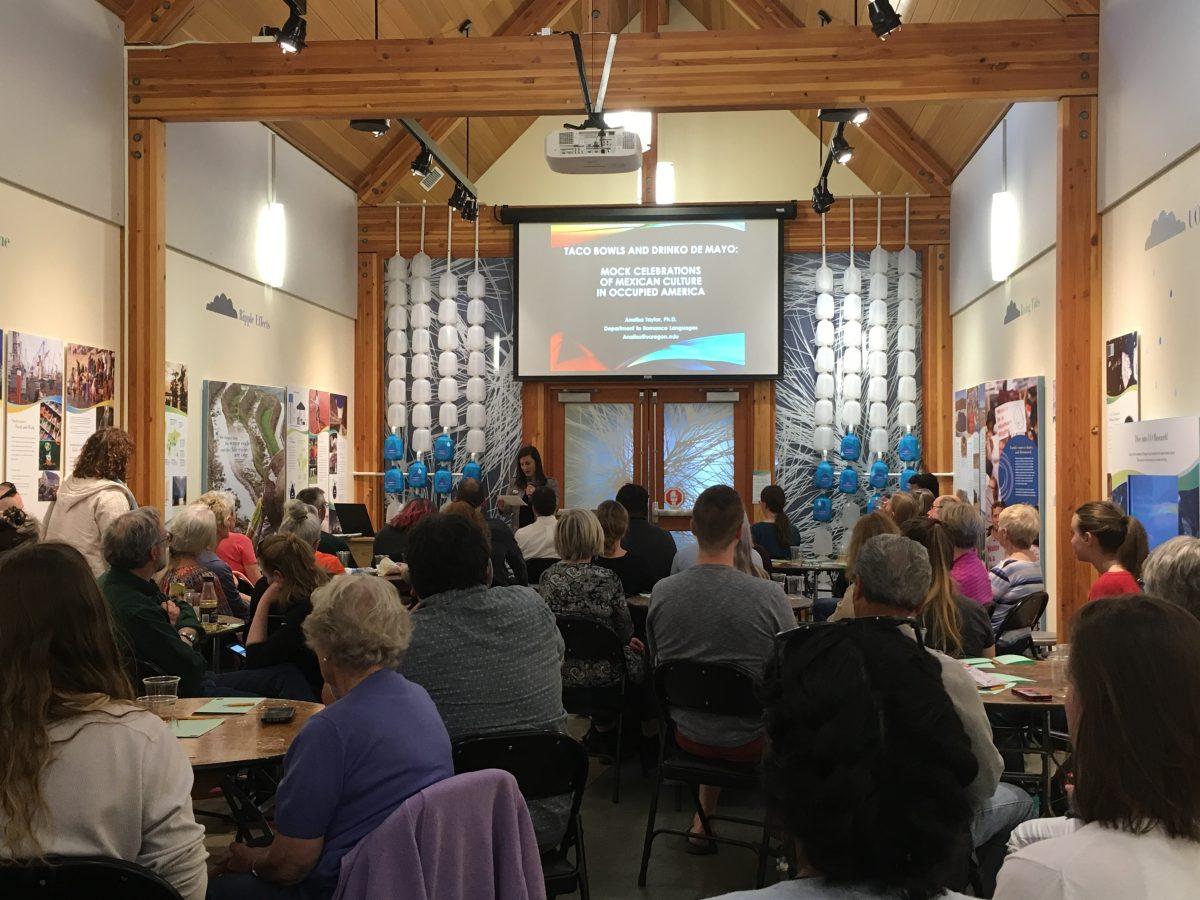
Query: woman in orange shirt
{"points": [[1113, 543]]}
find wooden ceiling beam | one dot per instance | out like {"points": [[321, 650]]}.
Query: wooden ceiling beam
{"points": [[379, 182], [116, 7], [663, 72], [765, 14], [1075, 7], [150, 21], [929, 224]]}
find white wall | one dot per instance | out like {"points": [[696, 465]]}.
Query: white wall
{"points": [[306, 345], [62, 103], [1149, 85], [1032, 179], [988, 349], [218, 181]]}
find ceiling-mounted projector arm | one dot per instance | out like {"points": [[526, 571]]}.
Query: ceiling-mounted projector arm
{"points": [[595, 114]]}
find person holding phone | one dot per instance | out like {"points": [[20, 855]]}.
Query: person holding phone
{"points": [[528, 476]]}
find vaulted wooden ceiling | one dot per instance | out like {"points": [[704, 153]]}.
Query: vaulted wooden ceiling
{"points": [[903, 143]]}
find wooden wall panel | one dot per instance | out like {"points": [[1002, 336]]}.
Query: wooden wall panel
{"points": [[368, 413], [937, 360], [762, 424], [1078, 365], [146, 310]]}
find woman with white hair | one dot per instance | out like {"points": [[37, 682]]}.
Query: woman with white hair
{"points": [[1019, 574], [193, 535], [379, 741], [1172, 572], [222, 509], [302, 520]]}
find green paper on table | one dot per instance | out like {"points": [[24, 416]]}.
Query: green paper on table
{"points": [[193, 728], [1013, 679], [977, 661], [1014, 659], [982, 665], [229, 706]]}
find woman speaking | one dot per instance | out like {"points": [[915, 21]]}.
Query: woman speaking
{"points": [[528, 475]]}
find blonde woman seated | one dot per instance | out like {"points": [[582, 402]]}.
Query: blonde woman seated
{"points": [[576, 586], [1019, 574], [86, 771], [302, 520], [865, 528]]}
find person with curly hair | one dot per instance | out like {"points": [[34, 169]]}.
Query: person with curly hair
{"points": [[93, 496], [867, 765]]}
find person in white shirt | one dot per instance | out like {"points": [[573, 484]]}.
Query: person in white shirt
{"points": [[1133, 709], [87, 772], [868, 765], [536, 540]]}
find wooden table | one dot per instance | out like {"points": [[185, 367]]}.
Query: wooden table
{"points": [[1040, 672], [226, 625], [242, 740], [801, 605]]}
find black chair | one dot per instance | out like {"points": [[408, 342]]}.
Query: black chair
{"points": [[545, 764], [590, 642], [71, 877], [1025, 615], [535, 567], [720, 689]]}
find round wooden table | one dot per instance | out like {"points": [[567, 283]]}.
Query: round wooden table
{"points": [[242, 740], [226, 625]]}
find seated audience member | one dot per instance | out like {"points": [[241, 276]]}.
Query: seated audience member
{"points": [[901, 506], [1133, 708], [508, 565], [300, 519], [193, 536], [645, 539], [925, 481], [630, 568], [274, 636], [378, 742], [9, 496], [745, 558], [332, 544], [864, 529], [389, 540], [858, 720], [1172, 572], [1112, 543], [86, 771], [711, 612], [775, 533], [924, 500], [16, 528], [894, 578], [966, 528], [536, 539], [92, 495], [234, 547], [953, 624], [152, 628], [491, 658], [940, 503], [575, 586], [1019, 574], [212, 560]]}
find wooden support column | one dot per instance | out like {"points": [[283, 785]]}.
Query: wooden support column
{"points": [[145, 324], [368, 386], [762, 418], [1078, 351], [937, 376], [650, 23]]}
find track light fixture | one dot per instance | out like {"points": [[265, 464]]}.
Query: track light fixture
{"points": [[376, 127], [291, 36], [840, 148], [884, 19], [822, 197], [422, 162], [460, 198], [853, 115]]}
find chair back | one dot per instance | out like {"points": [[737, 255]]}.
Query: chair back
{"points": [[722, 689], [69, 877], [589, 641], [1026, 613], [536, 566]]}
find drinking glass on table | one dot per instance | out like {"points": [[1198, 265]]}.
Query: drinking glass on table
{"points": [[162, 685], [1060, 658], [796, 553], [162, 705]]}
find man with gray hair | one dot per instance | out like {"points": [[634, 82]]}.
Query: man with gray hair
{"points": [[892, 577], [1172, 572], [329, 543], [158, 632]]}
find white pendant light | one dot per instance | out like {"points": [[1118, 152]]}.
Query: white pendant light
{"points": [[852, 361], [476, 338], [878, 313], [447, 390], [878, 339], [823, 438], [421, 266], [448, 311], [448, 338], [878, 442], [851, 414], [852, 386], [419, 290], [476, 284], [877, 390], [395, 415], [906, 338], [906, 415], [396, 390], [419, 316], [824, 335], [476, 312], [824, 308], [421, 342], [851, 333], [852, 307], [906, 390], [877, 364], [877, 415], [395, 293], [906, 312], [1005, 218], [397, 343], [397, 318], [823, 361], [448, 285], [475, 441], [879, 287]]}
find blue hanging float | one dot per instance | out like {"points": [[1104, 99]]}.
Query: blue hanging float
{"points": [[905, 477], [393, 448], [473, 470], [909, 448], [823, 509], [848, 481], [851, 447], [823, 477], [443, 481], [878, 478], [418, 475], [393, 480], [443, 449], [875, 501]]}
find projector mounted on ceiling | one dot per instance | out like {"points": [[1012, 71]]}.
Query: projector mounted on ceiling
{"points": [[592, 148]]}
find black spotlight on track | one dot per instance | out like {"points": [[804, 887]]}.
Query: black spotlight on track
{"points": [[375, 127], [840, 147], [290, 37], [822, 198], [422, 162], [460, 197], [470, 209], [884, 19]]}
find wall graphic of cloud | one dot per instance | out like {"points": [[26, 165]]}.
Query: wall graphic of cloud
{"points": [[1011, 313], [1165, 227], [222, 305]]}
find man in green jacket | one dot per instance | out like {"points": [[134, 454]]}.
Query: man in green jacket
{"points": [[154, 629]]}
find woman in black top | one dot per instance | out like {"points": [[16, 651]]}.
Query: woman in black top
{"points": [[630, 568], [275, 636], [527, 476]]}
